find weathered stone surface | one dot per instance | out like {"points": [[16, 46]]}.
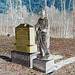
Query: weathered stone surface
{"points": [[43, 65], [25, 34], [25, 48], [25, 59]]}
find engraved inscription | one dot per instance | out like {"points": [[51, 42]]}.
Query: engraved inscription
{"points": [[21, 48]]}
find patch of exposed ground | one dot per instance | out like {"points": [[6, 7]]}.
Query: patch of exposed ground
{"points": [[64, 47]]}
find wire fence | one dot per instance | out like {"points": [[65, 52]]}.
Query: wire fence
{"points": [[15, 12]]}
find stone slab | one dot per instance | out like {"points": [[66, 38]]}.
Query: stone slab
{"points": [[25, 59], [45, 66]]}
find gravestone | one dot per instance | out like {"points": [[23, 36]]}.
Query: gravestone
{"points": [[25, 49]]}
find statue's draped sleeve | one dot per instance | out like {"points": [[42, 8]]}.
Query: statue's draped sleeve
{"points": [[37, 25]]}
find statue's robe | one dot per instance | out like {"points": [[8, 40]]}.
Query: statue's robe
{"points": [[41, 33]]}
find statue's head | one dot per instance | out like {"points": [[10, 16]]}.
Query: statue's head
{"points": [[42, 13]]}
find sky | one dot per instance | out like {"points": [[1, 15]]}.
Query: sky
{"points": [[36, 5]]}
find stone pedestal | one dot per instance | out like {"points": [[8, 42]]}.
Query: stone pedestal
{"points": [[45, 66], [25, 59]]}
